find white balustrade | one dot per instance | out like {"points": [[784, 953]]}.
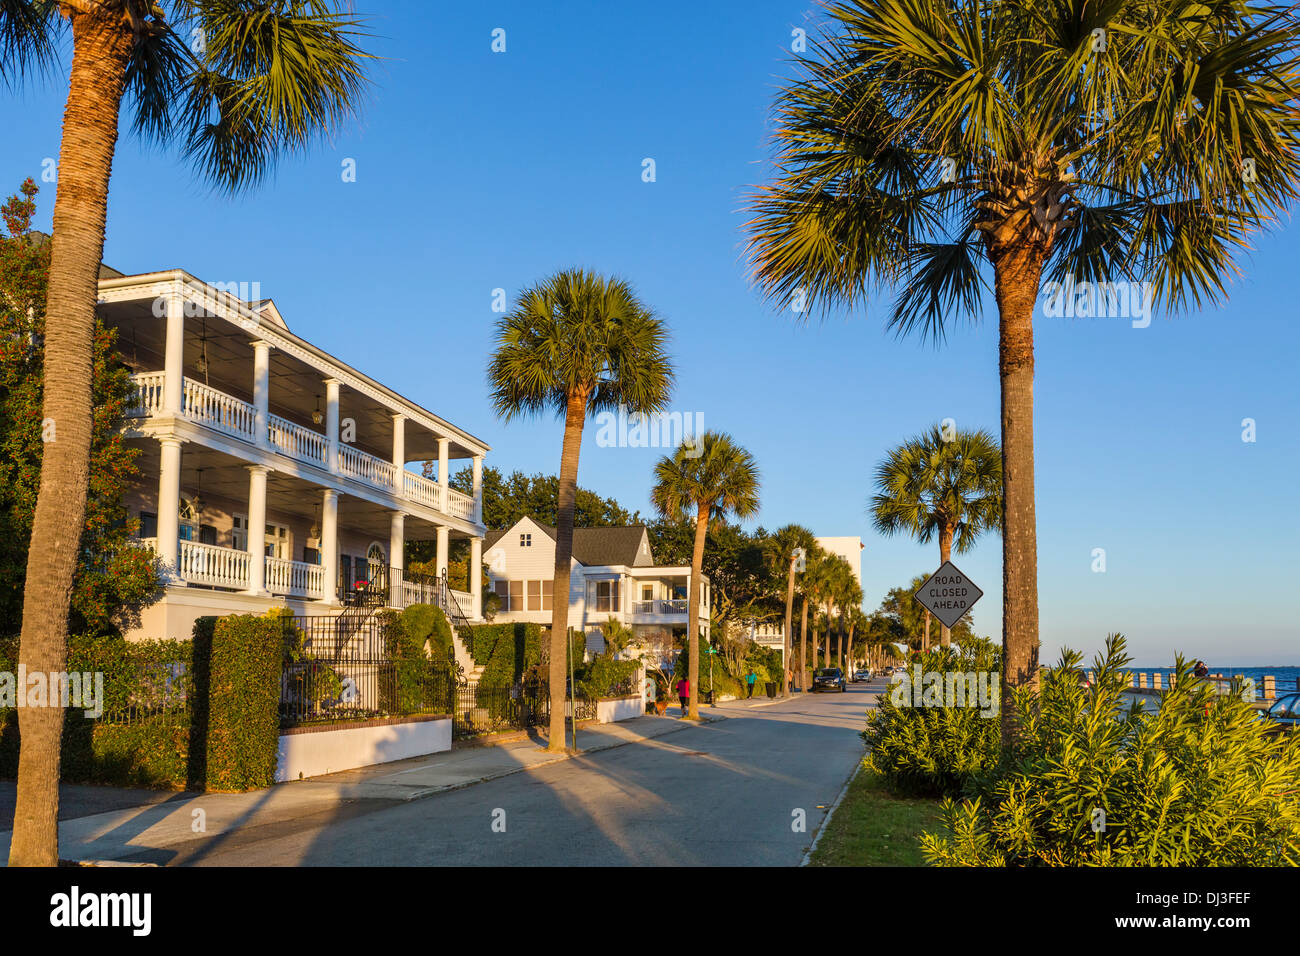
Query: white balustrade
{"points": [[148, 397], [208, 564], [421, 489], [462, 506], [356, 463], [294, 578], [296, 441], [218, 410]]}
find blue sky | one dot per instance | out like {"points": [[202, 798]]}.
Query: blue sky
{"points": [[479, 170]]}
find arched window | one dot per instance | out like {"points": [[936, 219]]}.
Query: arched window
{"points": [[377, 560]]}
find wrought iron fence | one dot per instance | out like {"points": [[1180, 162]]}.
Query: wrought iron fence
{"points": [[340, 669]]}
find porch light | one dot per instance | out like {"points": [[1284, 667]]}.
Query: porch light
{"points": [[316, 416]]}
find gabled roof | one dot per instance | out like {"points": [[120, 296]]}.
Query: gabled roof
{"points": [[595, 546]]}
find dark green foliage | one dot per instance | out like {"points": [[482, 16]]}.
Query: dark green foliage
{"points": [[507, 499], [506, 651], [112, 578], [934, 750], [245, 655], [1200, 783], [425, 622], [605, 677]]}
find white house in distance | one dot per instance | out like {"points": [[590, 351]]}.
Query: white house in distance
{"points": [[273, 473], [612, 574]]}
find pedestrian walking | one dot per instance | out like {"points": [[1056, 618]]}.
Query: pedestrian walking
{"points": [[684, 694], [750, 681]]}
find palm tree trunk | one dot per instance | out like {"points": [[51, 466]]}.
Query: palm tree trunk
{"points": [[803, 649], [101, 46], [789, 616], [693, 625], [925, 641], [945, 552], [1016, 275], [574, 420], [826, 647]]}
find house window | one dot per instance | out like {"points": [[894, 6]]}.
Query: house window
{"points": [[189, 523], [310, 555], [534, 595], [516, 595], [647, 592], [277, 542], [148, 524], [548, 589], [503, 594], [207, 534], [606, 595], [526, 540], [239, 532]]}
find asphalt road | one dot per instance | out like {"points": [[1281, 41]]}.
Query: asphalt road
{"points": [[726, 793]]}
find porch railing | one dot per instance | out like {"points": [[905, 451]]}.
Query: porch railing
{"points": [[208, 564], [296, 441], [295, 578], [227, 414], [218, 410]]}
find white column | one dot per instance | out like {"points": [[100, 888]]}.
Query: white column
{"points": [[329, 545], [332, 423], [444, 479], [478, 489], [476, 577], [396, 546], [261, 389], [443, 537], [257, 529], [169, 506], [399, 456], [174, 354]]}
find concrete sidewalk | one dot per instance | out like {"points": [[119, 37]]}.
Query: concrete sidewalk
{"points": [[158, 827]]}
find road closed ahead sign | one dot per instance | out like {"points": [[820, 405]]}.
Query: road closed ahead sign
{"points": [[948, 594]]}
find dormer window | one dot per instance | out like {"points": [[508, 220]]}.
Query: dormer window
{"points": [[526, 540]]}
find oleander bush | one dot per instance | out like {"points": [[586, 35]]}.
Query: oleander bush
{"points": [[1093, 782], [933, 749]]}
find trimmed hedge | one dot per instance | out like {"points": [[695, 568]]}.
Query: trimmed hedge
{"points": [[425, 622], [201, 714], [506, 651], [238, 662]]}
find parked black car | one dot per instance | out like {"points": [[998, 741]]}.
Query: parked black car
{"points": [[828, 678]]}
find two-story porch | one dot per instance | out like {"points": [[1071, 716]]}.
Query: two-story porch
{"points": [[270, 471]]}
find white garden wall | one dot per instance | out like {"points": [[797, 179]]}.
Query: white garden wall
{"points": [[312, 751], [620, 708]]}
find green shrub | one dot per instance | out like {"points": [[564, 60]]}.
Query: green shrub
{"points": [[506, 650], [425, 622], [1091, 782], [603, 677], [934, 750], [238, 666]]}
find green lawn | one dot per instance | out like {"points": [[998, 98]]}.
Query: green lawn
{"points": [[872, 827]]}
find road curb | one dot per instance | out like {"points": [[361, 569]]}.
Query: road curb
{"points": [[807, 855]]}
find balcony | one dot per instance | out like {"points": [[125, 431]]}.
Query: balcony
{"points": [[227, 568], [230, 416]]}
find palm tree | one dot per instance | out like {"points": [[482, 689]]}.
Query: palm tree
{"points": [[928, 144], [715, 477], [782, 557], [576, 344], [944, 485], [267, 79]]}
